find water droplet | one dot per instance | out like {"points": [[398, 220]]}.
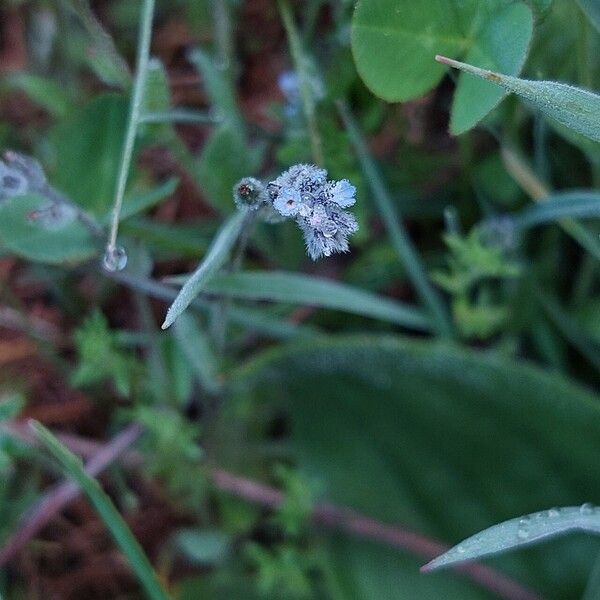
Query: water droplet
{"points": [[329, 229], [114, 259], [461, 549], [304, 210], [523, 531], [553, 513], [587, 508]]}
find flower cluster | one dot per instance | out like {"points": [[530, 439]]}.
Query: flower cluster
{"points": [[304, 193]]}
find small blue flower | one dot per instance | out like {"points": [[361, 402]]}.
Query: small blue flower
{"points": [[304, 193], [288, 202], [342, 193]]}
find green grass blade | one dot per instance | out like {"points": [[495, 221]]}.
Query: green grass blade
{"points": [[396, 230], [279, 286], [571, 330], [217, 255], [254, 319], [178, 115], [575, 204], [592, 588], [519, 532], [104, 58], [576, 108], [520, 171], [115, 523], [219, 88]]}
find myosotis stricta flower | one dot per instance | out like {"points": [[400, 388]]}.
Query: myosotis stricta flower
{"points": [[317, 204]]}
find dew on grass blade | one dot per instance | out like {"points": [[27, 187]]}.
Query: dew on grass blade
{"points": [[114, 259]]}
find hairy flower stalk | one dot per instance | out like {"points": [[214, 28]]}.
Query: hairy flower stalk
{"points": [[304, 194]]}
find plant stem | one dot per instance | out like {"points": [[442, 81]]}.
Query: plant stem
{"points": [[570, 329], [137, 97], [300, 62], [396, 230], [223, 37], [60, 496], [328, 515], [347, 520], [530, 183]]}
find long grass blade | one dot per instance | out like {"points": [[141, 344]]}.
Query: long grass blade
{"points": [[280, 286], [573, 204], [115, 523], [217, 255]]}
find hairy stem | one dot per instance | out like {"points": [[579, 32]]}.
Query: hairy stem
{"points": [[328, 515], [137, 97]]}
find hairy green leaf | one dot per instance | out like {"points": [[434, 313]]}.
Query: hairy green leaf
{"points": [[574, 107], [215, 258], [521, 531], [315, 291], [440, 440]]}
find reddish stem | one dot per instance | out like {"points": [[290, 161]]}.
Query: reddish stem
{"points": [[329, 515]]}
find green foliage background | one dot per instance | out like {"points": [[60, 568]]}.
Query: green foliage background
{"points": [[444, 376]]}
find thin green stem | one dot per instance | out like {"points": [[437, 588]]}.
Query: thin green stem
{"points": [[539, 191], [396, 230], [137, 97], [223, 35], [584, 282], [300, 64], [178, 115], [570, 329]]}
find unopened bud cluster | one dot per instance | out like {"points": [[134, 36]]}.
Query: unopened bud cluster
{"points": [[317, 204]]}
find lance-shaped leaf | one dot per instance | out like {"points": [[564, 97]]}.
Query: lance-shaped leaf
{"points": [[215, 258], [522, 531], [315, 291], [581, 204], [574, 107]]}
